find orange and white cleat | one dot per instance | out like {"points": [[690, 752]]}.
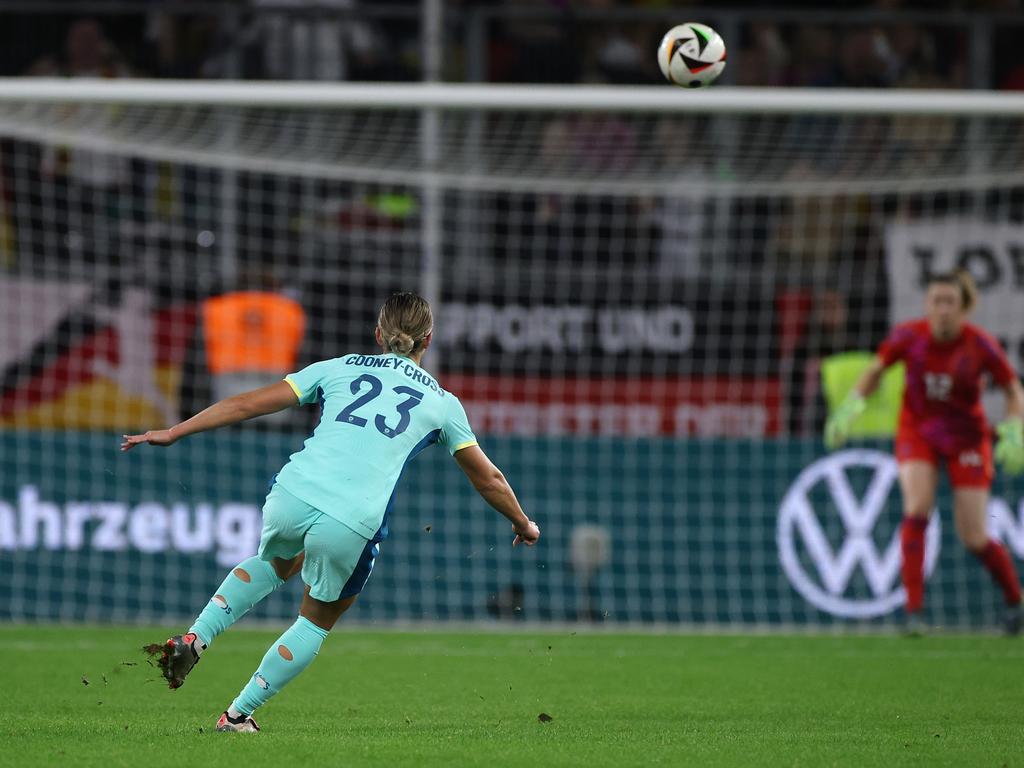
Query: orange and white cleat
{"points": [[240, 724]]}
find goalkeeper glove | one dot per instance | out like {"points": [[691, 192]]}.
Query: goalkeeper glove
{"points": [[1010, 448], [837, 428]]}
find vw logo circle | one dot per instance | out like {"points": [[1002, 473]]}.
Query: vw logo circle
{"points": [[799, 523]]}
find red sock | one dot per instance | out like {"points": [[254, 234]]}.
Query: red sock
{"points": [[995, 557], [912, 543]]}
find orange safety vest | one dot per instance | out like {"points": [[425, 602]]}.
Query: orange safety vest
{"points": [[252, 331]]}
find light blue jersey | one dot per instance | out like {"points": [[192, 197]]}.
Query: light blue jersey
{"points": [[378, 412]]}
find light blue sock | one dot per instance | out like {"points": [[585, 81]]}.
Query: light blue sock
{"points": [[289, 655], [249, 582]]}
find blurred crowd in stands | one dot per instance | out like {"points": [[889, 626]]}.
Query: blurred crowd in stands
{"points": [[878, 43]]}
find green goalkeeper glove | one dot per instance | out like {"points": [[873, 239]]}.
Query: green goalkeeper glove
{"points": [[837, 428], [1010, 448]]}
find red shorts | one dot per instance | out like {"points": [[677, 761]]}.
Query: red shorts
{"points": [[971, 467]]}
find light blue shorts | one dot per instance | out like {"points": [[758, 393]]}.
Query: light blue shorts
{"points": [[338, 560]]}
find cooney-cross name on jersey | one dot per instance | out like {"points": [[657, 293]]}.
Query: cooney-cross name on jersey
{"points": [[398, 363]]}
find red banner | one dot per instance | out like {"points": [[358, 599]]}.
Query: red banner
{"points": [[705, 407]]}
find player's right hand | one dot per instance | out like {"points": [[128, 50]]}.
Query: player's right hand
{"points": [[526, 534], [837, 428], [162, 437]]}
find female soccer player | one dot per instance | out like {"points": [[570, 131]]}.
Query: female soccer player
{"points": [[942, 421], [328, 508]]}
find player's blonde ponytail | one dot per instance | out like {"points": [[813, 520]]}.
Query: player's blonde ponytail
{"points": [[405, 321]]}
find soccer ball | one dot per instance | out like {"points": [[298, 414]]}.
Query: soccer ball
{"points": [[691, 55]]}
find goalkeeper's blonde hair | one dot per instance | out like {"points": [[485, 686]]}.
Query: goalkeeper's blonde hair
{"points": [[405, 321], [962, 280]]}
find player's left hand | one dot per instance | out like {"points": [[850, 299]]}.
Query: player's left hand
{"points": [[1009, 451], [527, 535], [162, 437]]}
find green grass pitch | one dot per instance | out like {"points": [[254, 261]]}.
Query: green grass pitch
{"points": [[455, 699]]}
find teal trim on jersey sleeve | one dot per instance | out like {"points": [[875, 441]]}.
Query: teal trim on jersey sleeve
{"points": [[306, 381], [456, 433]]}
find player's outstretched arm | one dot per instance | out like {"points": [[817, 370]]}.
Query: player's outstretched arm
{"points": [[496, 491], [837, 428], [230, 410]]}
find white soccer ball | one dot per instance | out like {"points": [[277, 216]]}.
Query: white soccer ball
{"points": [[691, 55]]}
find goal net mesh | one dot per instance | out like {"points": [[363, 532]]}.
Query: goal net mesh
{"points": [[644, 312]]}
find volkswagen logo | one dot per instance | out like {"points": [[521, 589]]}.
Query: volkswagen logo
{"points": [[803, 542]]}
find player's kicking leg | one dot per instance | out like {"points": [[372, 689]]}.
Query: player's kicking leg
{"points": [[248, 583], [338, 563], [285, 522]]}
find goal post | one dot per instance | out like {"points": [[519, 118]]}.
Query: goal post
{"points": [[510, 97], [636, 292]]}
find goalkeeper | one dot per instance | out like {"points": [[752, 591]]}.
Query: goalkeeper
{"points": [[328, 508], [942, 422]]}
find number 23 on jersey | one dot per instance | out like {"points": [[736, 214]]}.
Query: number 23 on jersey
{"points": [[348, 415]]}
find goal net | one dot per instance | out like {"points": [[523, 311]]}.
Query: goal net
{"points": [[646, 299]]}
